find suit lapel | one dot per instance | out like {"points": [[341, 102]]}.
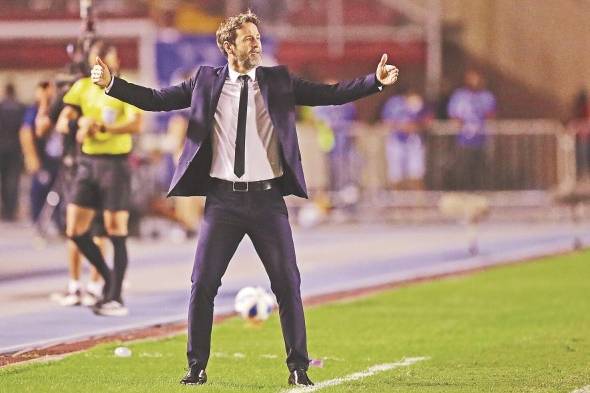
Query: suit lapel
{"points": [[216, 90], [260, 76]]}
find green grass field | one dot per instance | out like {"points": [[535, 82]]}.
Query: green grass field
{"points": [[522, 328]]}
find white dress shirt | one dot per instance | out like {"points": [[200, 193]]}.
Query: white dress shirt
{"points": [[262, 157]]}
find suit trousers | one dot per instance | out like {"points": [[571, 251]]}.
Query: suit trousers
{"points": [[228, 217]]}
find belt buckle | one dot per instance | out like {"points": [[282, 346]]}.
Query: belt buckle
{"points": [[239, 189]]}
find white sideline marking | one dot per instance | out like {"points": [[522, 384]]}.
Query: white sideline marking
{"points": [[360, 375], [585, 389]]}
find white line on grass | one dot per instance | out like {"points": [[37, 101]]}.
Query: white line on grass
{"points": [[405, 362], [585, 389]]}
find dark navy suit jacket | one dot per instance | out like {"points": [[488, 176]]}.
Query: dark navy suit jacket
{"points": [[281, 92]]}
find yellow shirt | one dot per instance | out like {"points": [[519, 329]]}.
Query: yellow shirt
{"points": [[95, 104]]}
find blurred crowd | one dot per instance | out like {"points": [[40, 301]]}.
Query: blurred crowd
{"points": [[29, 141], [408, 117], [29, 144]]}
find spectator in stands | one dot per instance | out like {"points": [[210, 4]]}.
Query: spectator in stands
{"points": [[407, 117], [41, 149], [11, 117], [441, 105], [471, 106], [336, 140]]}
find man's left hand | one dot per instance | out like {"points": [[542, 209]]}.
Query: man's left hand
{"points": [[87, 127], [386, 74]]}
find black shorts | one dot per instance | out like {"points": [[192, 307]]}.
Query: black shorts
{"points": [[97, 228], [102, 182], [67, 190]]}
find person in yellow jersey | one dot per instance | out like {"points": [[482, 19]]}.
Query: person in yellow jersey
{"points": [[45, 124], [102, 182]]}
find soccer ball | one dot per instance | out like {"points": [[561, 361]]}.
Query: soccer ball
{"points": [[254, 303]]}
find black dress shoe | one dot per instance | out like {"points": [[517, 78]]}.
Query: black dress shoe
{"points": [[299, 377], [194, 376]]}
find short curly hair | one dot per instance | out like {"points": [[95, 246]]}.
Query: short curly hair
{"points": [[227, 28]]}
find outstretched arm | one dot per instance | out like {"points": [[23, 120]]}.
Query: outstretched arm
{"points": [[43, 124], [314, 94], [68, 113], [27, 141], [167, 99]]}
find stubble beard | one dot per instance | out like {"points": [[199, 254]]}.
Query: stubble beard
{"points": [[251, 60]]}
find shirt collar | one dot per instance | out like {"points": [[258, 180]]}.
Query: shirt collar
{"points": [[233, 74]]}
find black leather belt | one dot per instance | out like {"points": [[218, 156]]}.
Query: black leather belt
{"points": [[243, 186]]}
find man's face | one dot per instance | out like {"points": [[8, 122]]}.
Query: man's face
{"points": [[44, 93], [247, 48], [473, 80]]}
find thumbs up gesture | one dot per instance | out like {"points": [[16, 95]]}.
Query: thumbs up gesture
{"points": [[386, 74], [100, 74]]}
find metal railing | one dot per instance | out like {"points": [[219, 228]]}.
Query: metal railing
{"points": [[579, 132], [518, 155]]}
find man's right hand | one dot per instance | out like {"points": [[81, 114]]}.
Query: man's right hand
{"points": [[100, 74], [87, 127]]}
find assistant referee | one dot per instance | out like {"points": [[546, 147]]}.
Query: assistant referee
{"points": [[102, 181]]}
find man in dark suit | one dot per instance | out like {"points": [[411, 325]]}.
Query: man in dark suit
{"points": [[241, 151]]}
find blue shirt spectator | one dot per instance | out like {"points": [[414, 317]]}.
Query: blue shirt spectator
{"points": [[29, 121], [403, 112], [49, 147], [407, 116], [339, 118], [472, 106], [338, 142]]}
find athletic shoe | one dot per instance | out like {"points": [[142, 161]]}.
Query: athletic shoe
{"points": [[92, 294], [89, 299], [68, 299], [111, 308], [194, 376], [299, 377]]}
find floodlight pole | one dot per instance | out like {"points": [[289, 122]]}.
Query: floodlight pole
{"points": [[429, 17], [434, 49], [88, 27], [336, 38]]}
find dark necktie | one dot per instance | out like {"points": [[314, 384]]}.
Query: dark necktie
{"points": [[240, 153]]}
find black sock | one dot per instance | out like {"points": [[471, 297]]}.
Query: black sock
{"points": [[120, 265], [91, 251]]}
